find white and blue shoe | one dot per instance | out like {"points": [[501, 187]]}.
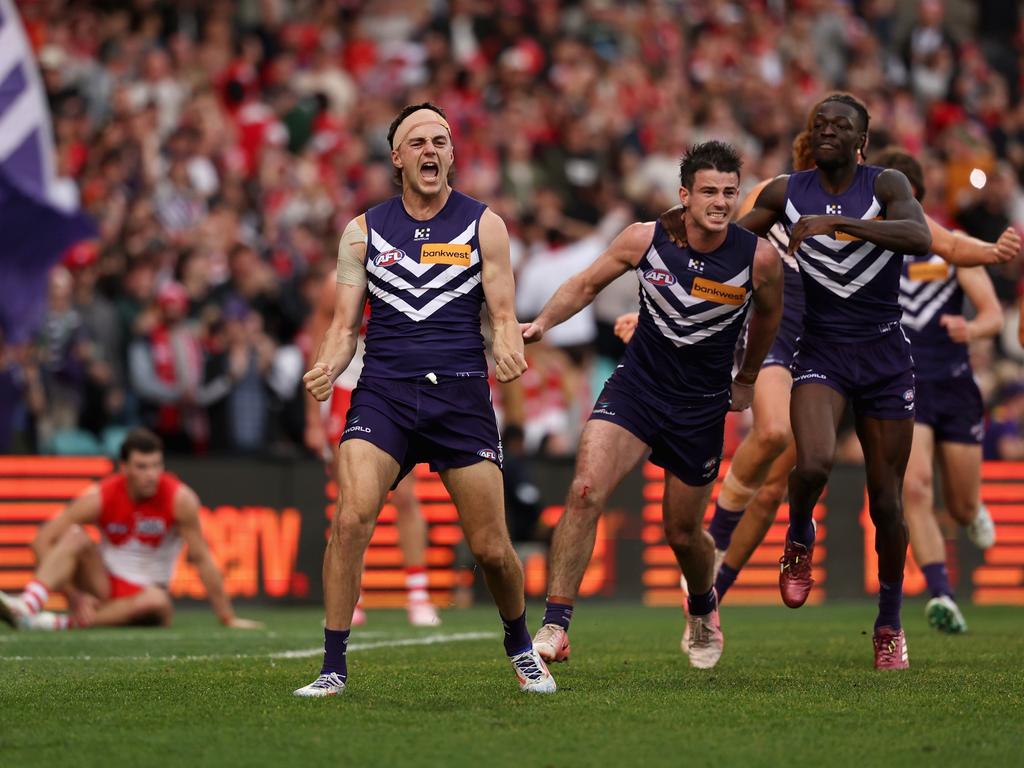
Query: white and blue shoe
{"points": [[532, 673], [326, 685], [944, 615]]}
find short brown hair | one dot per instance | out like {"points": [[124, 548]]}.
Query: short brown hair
{"points": [[900, 160], [140, 440]]}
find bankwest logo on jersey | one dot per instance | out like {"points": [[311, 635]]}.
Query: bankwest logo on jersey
{"points": [[719, 293], [446, 253], [928, 271]]}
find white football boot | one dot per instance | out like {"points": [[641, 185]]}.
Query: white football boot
{"points": [[706, 640], [943, 614], [12, 610], [423, 614], [325, 685], [982, 531], [532, 672], [552, 643]]}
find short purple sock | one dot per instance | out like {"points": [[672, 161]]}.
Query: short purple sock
{"points": [[723, 523], [938, 579], [558, 613], [890, 600], [335, 647], [725, 578], [702, 605], [802, 532], [517, 636]]}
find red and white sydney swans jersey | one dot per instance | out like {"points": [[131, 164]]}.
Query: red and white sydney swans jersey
{"points": [[139, 539]]}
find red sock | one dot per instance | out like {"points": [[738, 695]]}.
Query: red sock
{"points": [[35, 596]]}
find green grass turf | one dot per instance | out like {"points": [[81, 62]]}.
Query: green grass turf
{"points": [[794, 687]]}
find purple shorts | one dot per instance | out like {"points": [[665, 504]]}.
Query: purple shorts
{"points": [[953, 409], [877, 376], [784, 347], [449, 424], [685, 440]]}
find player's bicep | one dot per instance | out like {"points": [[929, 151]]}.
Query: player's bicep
{"points": [[622, 255], [351, 269], [186, 516], [894, 191], [979, 289], [496, 265], [767, 277], [349, 302]]}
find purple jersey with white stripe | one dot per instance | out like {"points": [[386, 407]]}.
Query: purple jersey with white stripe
{"points": [[692, 307], [425, 291], [851, 285], [929, 289]]}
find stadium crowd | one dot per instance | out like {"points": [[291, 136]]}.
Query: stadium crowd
{"points": [[221, 147]]}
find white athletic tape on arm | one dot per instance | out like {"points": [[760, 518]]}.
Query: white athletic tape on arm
{"points": [[351, 267]]}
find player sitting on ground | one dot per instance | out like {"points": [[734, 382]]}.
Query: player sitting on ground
{"points": [[144, 515]]}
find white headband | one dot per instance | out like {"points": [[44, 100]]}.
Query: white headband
{"points": [[418, 118]]}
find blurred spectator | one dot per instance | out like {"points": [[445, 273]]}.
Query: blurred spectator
{"points": [[1004, 432]]}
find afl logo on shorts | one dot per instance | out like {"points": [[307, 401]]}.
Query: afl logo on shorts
{"points": [[659, 277], [487, 453], [387, 258], [908, 396]]}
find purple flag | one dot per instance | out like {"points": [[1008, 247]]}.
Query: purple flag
{"points": [[35, 226]]}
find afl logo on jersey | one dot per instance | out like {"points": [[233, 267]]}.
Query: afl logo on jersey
{"points": [[387, 258], [659, 277]]}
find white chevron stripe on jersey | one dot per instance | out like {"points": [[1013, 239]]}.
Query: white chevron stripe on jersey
{"points": [[691, 338], [914, 293], [411, 265], [416, 315], [668, 309], [873, 210], [438, 281], [777, 236], [918, 320], [845, 291]]}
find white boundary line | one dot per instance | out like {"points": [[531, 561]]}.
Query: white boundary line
{"points": [[304, 653]]}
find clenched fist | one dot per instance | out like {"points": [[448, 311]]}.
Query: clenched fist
{"points": [[625, 326], [318, 381], [510, 366]]}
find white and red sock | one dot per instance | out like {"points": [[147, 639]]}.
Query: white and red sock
{"points": [[416, 584], [35, 596]]}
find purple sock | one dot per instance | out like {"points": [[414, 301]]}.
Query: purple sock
{"points": [[890, 599], [335, 646], [801, 531], [725, 578], [938, 579], [517, 636], [558, 613], [723, 523], [702, 605]]}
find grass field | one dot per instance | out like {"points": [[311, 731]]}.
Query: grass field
{"points": [[794, 687]]}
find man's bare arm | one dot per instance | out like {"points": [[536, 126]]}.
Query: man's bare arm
{"points": [[186, 515], [499, 292], [622, 255], [83, 509], [763, 324], [962, 250]]}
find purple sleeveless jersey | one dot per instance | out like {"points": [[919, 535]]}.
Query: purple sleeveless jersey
{"points": [[692, 307], [425, 291], [851, 286], [929, 289], [948, 399]]}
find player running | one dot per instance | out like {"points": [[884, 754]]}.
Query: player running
{"points": [[672, 391], [950, 416], [429, 259], [144, 515]]}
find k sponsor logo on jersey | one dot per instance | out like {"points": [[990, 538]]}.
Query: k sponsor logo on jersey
{"points": [[421, 233], [695, 265], [834, 209], [719, 293], [659, 277], [457, 254], [388, 258]]}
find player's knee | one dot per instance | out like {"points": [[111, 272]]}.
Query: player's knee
{"points": [[812, 474], [155, 604], [682, 539], [586, 493], [769, 498], [885, 508], [75, 540], [346, 527], [774, 438], [917, 490], [492, 555]]}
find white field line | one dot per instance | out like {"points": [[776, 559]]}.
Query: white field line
{"points": [[303, 653]]}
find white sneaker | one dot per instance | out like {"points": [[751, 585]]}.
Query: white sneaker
{"points": [[12, 609], [552, 643], [44, 621], [706, 640], [533, 672], [982, 531], [943, 614], [325, 685], [423, 614]]}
